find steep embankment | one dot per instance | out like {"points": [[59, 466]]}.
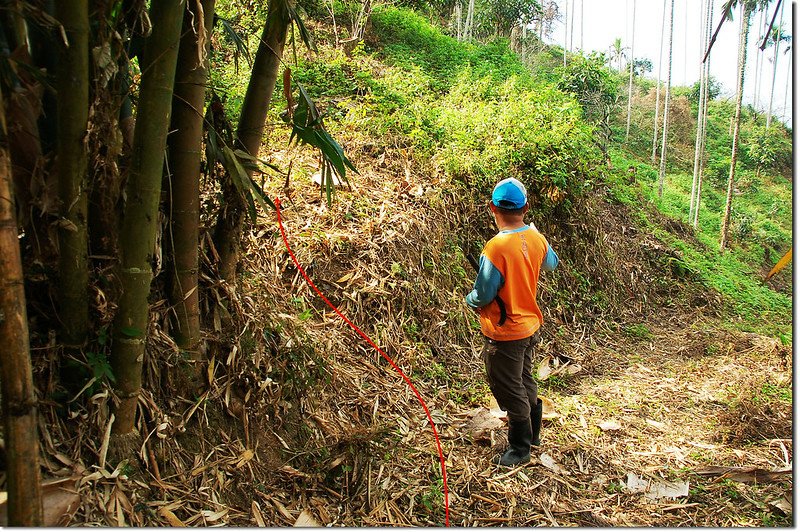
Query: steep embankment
{"points": [[304, 423]]}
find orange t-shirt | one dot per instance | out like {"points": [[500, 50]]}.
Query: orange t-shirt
{"points": [[509, 267]]}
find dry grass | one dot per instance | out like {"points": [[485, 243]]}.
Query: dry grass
{"points": [[303, 422]]}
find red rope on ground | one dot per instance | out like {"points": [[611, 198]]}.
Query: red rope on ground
{"points": [[384, 355]]}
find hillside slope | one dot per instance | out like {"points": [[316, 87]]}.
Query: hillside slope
{"points": [[647, 370]]}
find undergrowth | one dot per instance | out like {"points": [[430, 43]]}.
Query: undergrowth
{"points": [[474, 113], [761, 233]]}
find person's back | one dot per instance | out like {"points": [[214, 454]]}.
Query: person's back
{"points": [[517, 256], [505, 297]]}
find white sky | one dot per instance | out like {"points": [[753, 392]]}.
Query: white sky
{"points": [[606, 20]]}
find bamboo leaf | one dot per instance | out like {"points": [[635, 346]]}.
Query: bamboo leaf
{"points": [[241, 154], [240, 179], [229, 32], [262, 198], [328, 179], [304, 35], [213, 144], [287, 90]]}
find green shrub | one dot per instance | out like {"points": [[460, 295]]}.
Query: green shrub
{"points": [[494, 131], [409, 40]]}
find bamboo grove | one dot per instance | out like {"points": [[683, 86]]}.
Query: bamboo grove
{"points": [[105, 137]]}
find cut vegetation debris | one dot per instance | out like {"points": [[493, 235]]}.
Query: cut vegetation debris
{"points": [[665, 368]]}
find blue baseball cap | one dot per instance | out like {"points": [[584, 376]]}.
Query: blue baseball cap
{"points": [[509, 194]]}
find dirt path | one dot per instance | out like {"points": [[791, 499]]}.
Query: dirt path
{"points": [[660, 408]]}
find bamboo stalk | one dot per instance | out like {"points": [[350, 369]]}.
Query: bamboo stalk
{"points": [[140, 216], [18, 397], [183, 189], [73, 116]]}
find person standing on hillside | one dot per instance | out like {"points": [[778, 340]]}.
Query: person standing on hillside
{"points": [[505, 297]]}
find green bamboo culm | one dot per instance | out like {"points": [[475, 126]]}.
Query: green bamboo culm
{"points": [[183, 188], [140, 214], [250, 131], [73, 116]]}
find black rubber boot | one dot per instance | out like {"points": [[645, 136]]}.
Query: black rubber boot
{"points": [[519, 444], [536, 422]]}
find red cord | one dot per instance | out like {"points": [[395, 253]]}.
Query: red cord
{"points": [[384, 355]]}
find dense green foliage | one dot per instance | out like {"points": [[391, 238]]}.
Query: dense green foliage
{"points": [[475, 112], [408, 40]]}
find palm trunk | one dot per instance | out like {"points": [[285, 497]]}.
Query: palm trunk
{"points": [[541, 31], [707, 72], [468, 23], [630, 74], [457, 17], [183, 190], [140, 216], [774, 69], [228, 232], [786, 105], [662, 168], [704, 15], [73, 115], [759, 61], [772, 85], [686, 42], [18, 397], [566, 28], [726, 218], [658, 84], [571, 24]]}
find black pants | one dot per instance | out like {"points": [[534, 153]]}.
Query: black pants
{"points": [[508, 370]]}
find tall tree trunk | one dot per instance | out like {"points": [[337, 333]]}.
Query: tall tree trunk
{"points": [[140, 216], [581, 25], [662, 167], [658, 84], [686, 42], [759, 61], [541, 30], [566, 28], [571, 24], [183, 187], [457, 17], [778, 35], [228, 232], [468, 23], [630, 74], [73, 116], [707, 72], [786, 105], [726, 218], [699, 133], [18, 398]]}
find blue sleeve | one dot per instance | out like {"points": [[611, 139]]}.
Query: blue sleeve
{"points": [[550, 260], [487, 284]]}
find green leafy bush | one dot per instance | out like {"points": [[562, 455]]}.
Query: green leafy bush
{"points": [[408, 40], [509, 130]]}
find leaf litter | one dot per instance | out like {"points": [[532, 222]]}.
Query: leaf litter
{"points": [[302, 425]]}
